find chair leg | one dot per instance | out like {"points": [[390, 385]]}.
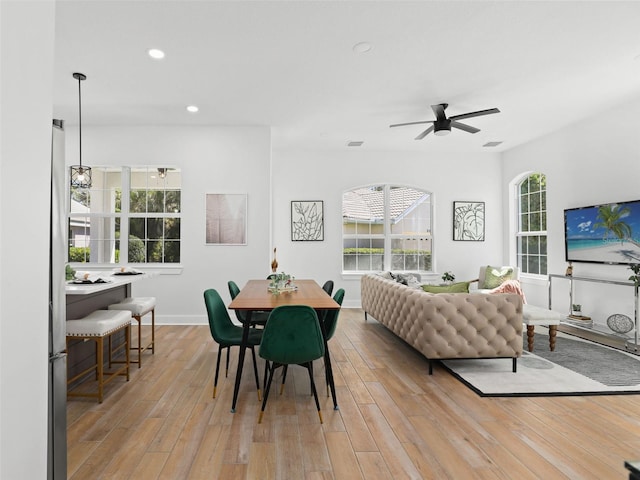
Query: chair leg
{"points": [[226, 372], [255, 370], [266, 390], [215, 380], [284, 377], [266, 375], [100, 367], [153, 331], [127, 348], [309, 366], [139, 320]]}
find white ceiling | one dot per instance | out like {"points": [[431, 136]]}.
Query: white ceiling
{"points": [[291, 65]]}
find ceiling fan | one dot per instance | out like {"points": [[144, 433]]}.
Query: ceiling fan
{"points": [[442, 125]]}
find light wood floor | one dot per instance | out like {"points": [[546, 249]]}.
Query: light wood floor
{"points": [[394, 422]]}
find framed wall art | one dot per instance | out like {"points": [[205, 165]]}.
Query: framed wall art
{"points": [[307, 221], [226, 219], [468, 221]]}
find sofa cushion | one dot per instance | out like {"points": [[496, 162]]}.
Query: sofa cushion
{"points": [[408, 279], [459, 287], [495, 276]]}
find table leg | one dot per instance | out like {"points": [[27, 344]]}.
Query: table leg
{"points": [[243, 346], [327, 365]]}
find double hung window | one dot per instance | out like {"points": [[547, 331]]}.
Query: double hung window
{"points": [[139, 204], [531, 238]]}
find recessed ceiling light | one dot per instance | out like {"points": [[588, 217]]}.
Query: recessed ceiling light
{"points": [[355, 143], [362, 47], [155, 53], [192, 109], [491, 144]]}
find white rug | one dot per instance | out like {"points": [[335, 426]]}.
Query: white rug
{"points": [[537, 376]]}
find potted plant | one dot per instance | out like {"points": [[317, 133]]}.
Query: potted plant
{"points": [[635, 278], [576, 309], [448, 277]]}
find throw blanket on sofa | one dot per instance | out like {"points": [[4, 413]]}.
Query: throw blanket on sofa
{"points": [[510, 286]]}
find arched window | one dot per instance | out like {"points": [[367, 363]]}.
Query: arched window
{"points": [[386, 227], [531, 236]]}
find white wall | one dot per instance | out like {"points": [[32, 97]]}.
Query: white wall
{"points": [[239, 160], [212, 160], [26, 80], [303, 175], [588, 163]]}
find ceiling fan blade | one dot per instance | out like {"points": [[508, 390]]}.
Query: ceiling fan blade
{"points": [[410, 123], [438, 110], [425, 133], [465, 127], [479, 113]]}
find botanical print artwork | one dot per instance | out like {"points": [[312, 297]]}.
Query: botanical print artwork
{"points": [[307, 223], [468, 221], [226, 219]]}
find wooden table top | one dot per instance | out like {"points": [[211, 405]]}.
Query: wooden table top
{"points": [[256, 296]]}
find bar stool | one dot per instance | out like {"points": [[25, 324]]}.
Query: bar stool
{"points": [[138, 308], [96, 326]]}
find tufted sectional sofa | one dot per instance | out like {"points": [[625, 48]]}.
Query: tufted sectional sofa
{"points": [[446, 325]]}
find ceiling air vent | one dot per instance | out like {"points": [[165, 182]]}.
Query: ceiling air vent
{"points": [[355, 143], [492, 144]]}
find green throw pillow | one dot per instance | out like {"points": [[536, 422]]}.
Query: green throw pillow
{"points": [[460, 287], [496, 276]]}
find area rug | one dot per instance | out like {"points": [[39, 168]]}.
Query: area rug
{"points": [[576, 367]]}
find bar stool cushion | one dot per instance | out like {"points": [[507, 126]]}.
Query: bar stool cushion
{"points": [[136, 305], [98, 324]]}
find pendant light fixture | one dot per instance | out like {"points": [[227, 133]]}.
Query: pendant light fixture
{"points": [[80, 176]]}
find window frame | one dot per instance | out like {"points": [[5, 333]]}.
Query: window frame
{"points": [[124, 216], [524, 236], [387, 236]]}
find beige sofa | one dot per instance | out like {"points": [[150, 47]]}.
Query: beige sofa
{"points": [[446, 325]]}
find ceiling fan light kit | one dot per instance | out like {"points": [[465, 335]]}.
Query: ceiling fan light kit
{"points": [[442, 125]]}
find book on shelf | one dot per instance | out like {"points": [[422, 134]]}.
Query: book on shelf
{"points": [[578, 317]]}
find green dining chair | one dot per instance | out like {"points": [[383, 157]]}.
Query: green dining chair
{"points": [[228, 335], [292, 336], [330, 319], [257, 318]]}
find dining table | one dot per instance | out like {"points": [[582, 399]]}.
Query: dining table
{"points": [[257, 296]]}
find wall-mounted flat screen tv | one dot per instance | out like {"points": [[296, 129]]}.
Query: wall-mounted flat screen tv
{"points": [[608, 233]]}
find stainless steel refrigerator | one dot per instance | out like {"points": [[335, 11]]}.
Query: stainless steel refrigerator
{"points": [[57, 416]]}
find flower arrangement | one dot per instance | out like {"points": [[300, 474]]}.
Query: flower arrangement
{"points": [[280, 281]]}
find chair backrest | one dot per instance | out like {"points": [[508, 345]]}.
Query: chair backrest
{"points": [[292, 335], [234, 290], [328, 287], [496, 271], [220, 323], [331, 317]]}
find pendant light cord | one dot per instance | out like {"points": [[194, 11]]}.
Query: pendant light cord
{"points": [[80, 77], [80, 117]]}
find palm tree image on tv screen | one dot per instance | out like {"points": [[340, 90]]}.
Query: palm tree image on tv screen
{"points": [[607, 233]]}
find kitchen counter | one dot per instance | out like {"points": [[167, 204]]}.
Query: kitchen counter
{"points": [[82, 299]]}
